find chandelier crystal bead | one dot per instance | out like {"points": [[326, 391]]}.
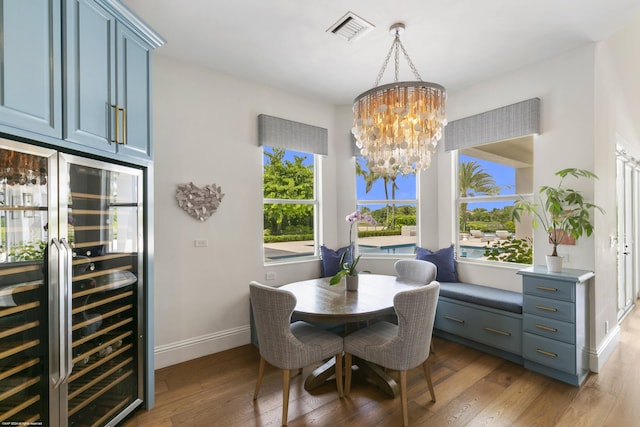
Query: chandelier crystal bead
{"points": [[397, 126]]}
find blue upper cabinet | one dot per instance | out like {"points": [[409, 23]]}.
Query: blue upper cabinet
{"points": [[30, 75], [134, 94], [90, 75], [76, 74], [108, 65]]}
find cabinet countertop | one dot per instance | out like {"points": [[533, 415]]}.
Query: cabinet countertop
{"points": [[567, 274]]}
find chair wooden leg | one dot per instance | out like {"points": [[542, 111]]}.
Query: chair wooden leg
{"points": [[286, 377], [347, 375], [339, 374], [427, 375], [403, 398], [432, 347], [260, 375]]}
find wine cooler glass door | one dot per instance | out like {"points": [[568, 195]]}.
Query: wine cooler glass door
{"points": [[103, 208], [25, 212]]}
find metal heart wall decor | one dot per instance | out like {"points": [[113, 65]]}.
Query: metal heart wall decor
{"points": [[200, 203]]}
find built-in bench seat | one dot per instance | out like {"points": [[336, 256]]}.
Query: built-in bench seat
{"points": [[483, 295], [482, 317]]}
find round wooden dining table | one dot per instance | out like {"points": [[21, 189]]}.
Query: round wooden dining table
{"points": [[319, 302]]}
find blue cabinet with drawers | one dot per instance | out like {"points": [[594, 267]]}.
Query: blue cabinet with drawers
{"points": [[555, 322], [494, 328]]}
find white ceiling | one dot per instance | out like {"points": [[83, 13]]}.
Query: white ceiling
{"points": [[456, 43]]}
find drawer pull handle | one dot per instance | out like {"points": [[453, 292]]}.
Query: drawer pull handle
{"points": [[454, 319], [545, 288], [546, 353], [546, 328], [115, 112], [496, 331], [542, 307]]}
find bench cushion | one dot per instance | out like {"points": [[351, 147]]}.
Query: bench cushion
{"points": [[483, 295]]}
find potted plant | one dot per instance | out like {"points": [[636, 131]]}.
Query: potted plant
{"points": [[347, 269], [561, 211]]}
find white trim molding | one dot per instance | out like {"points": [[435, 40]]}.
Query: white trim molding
{"points": [[599, 357], [192, 348]]}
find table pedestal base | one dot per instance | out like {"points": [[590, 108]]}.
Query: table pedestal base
{"points": [[372, 372]]}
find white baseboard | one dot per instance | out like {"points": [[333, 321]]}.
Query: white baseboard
{"points": [[598, 358], [192, 348]]}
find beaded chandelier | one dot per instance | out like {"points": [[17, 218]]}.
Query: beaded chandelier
{"points": [[398, 125]]}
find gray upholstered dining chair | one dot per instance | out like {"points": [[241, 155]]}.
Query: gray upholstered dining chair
{"points": [[399, 347], [288, 345], [417, 270]]}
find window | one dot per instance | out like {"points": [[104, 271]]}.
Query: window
{"points": [[290, 204], [291, 157], [392, 201], [491, 178]]}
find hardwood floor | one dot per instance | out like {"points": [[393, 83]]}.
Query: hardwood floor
{"points": [[472, 389]]}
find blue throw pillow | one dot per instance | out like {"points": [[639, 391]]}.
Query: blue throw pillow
{"points": [[445, 261], [331, 259]]}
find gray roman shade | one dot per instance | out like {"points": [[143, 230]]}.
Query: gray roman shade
{"points": [[281, 133], [511, 121]]}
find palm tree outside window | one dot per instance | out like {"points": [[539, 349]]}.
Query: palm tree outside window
{"points": [[392, 200], [491, 178]]}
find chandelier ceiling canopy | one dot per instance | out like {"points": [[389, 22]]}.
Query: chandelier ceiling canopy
{"points": [[397, 126]]}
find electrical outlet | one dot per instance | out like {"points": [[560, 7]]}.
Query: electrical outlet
{"points": [[271, 275], [200, 243], [606, 326]]}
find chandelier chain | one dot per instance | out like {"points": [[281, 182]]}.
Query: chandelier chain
{"points": [[384, 65], [406, 56], [397, 46], [397, 57]]}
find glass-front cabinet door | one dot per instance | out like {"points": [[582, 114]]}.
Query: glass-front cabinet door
{"points": [[25, 188], [102, 207], [71, 264]]}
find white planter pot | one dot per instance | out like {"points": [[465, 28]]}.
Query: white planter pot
{"points": [[554, 264], [352, 283]]}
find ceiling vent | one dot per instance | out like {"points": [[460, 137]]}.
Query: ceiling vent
{"points": [[351, 27]]}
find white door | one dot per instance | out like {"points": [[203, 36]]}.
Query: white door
{"points": [[628, 172]]}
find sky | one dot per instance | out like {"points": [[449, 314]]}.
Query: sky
{"points": [[504, 177]]}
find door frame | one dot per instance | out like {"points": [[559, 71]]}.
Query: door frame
{"points": [[628, 228]]}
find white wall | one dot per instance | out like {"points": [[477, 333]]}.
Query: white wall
{"points": [[205, 132], [565, 85], [616, 120]]}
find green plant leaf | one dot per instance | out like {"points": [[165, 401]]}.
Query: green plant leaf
{"points": [[562, 210], [336, 279]]}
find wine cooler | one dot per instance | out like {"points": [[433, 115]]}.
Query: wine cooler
{"points": [[71, 288]]}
